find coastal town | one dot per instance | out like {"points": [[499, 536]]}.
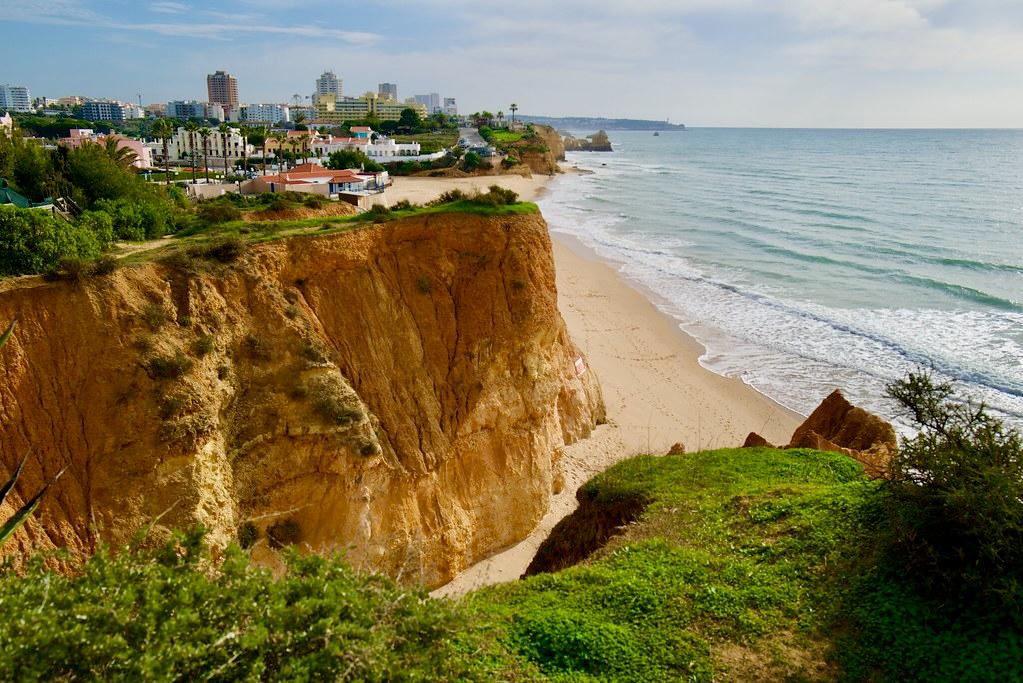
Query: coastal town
{"points": [[328, 143], [310, 378]]}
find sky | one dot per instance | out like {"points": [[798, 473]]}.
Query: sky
{"points": [[787, 63]]}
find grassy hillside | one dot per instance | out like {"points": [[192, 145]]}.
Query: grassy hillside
{"points": [[741, 565], [746, 564]]}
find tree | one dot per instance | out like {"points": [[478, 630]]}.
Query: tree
{"points": [[303, 142], [514, 108], [471, 162], [281, 138], [164, 130], [205, 134], [409, 119], [124, 157], [351, 158], [191, 127], [955, 495], [225, 130]]}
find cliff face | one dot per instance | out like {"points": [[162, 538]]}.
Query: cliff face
{"points": [[543, 157], [398, 393]]}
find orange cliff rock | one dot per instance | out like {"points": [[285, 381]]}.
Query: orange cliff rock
{"points": [[400, 393], [839, 426]]}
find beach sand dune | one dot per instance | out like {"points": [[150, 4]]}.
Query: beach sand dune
{"points": [[656, 393]]}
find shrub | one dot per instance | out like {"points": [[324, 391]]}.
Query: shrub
{"points": [[313, 353], [154, 315], [450, 196], [204, 345], [257, 347], [471, 161], [33, 241], [167, 614], [171, 405], [955, 497], [169, 367], [403, 205], [100, 224], [134, 220], [215, 214], [224, 249], [333, 401], [423, 284]]}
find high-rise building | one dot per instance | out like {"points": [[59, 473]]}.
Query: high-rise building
{"points": [[450, 108], [15, 98], [431, 102], [388, 91], [222, 88], [328, 84]]}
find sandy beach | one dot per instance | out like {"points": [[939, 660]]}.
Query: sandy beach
{"points": [[420, 190], [656, 393]]}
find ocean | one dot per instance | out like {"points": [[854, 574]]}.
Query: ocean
{"points": [[808, 260]]}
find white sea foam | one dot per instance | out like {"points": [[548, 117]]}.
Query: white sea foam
{"points": [[794, 349]]}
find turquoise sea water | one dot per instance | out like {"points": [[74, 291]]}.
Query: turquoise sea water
{"points": [[806, 260]]}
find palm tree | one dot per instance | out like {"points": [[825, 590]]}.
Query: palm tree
{"points": [[263, 136], [191, 127], [303, 141], [205, 134], [122, 156], [245, 132], [224, 130], [500, 119], [164, 130], [514, 108], [282, 139]]}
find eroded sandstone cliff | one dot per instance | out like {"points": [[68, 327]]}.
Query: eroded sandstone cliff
{"points": [[399, 393]]}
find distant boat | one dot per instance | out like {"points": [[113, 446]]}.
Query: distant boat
{"points": [[656, 133]]}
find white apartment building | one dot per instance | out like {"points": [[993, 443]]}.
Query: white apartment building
{"points": [[183, 144], [265, 113], [15, 98]]}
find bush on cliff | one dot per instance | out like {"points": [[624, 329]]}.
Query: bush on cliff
{"points": [[170, 614], [33, 241], [955, 499]]}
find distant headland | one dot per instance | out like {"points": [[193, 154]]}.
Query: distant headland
{"points": [[591, 123]]}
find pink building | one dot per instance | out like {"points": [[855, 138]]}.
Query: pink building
{"points": [[78, 136]]}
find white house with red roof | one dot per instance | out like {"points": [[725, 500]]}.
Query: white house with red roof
{"points": [[323, 181]]}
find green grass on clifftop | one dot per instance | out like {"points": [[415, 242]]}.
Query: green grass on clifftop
{"points": [[752, 564]]}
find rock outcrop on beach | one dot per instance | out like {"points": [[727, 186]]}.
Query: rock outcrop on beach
{"points": [[598, 142], [400, 393], [837, 425], [544, 157]]}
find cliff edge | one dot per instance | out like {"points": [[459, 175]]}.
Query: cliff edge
{"points": [[399, 393]]}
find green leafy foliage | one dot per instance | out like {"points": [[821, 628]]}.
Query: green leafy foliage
{"points": [[351, 158], [471, 161], [168, 614], [33, 241], [955, 499]]}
